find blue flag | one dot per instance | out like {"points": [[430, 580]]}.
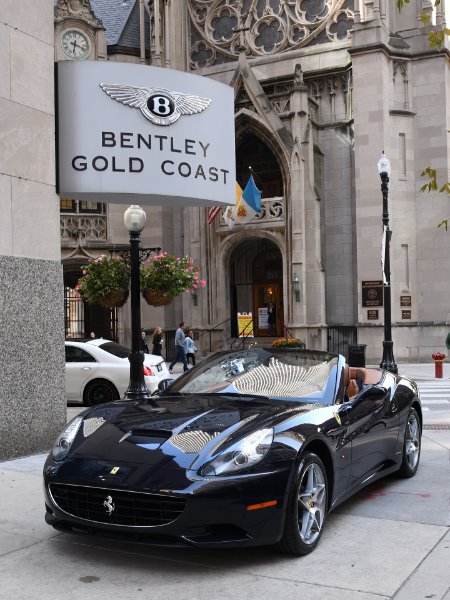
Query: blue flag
{"points": [[252, 195], [248, 204]]}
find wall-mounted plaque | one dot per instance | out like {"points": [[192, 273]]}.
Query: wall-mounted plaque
{"points": [[372, 293], [406, 314], [372, 315], [405, 300]]}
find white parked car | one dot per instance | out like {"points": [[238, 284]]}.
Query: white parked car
{"points": [[98, 371]]}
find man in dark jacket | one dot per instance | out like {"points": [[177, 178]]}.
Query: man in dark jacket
{"points": [[180, 351], [144, 346]]}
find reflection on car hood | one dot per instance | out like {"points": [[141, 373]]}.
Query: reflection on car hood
{"points": [[175, 426]]}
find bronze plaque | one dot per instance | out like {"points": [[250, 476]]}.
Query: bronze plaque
{"points": [[406, 314], [405, 300], [372, 315], [372, 293]]}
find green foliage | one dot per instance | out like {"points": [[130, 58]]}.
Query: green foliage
{"points": [[170, 275], [103, 276], [435, 40]]}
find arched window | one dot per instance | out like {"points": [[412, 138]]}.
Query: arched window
{"points": [[251, 151]]}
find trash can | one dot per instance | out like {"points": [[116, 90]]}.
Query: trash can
{"points": [[357, 355]]}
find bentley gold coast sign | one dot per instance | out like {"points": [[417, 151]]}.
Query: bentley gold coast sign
{"points": [[148, 135]]}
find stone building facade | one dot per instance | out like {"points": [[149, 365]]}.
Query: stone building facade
{"points": [[32, 398], [322, 87]]}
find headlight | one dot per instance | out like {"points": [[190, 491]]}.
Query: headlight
{"points": [[242, 454], [65, 439]]}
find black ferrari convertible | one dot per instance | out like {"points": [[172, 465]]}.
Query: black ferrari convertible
{"points": [[248, 448]]}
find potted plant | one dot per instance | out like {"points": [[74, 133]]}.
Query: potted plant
{"points": [[105, 281], [164, 276], [288, 343]]}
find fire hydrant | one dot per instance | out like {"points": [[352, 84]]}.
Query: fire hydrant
{"points": [[438, 358]]}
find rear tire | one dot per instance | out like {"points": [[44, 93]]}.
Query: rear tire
{"points": [[411, 446], [99, 391], [307, 507]]}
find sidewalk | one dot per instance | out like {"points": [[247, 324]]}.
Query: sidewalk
{"points": [[390, 542], [419, 371]]}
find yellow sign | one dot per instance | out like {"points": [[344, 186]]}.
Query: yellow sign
{"points": [[114, 470], [245, 324]]}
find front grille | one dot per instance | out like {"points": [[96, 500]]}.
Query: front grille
{"points": [[117, 507]]}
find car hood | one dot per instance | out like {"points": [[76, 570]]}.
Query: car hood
{"points": [[168, 434]]}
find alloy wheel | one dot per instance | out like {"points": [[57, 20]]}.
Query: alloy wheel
{"points": [[311, 503], [412, 441]]}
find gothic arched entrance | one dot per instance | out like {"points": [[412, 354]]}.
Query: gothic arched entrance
{"points": [[256, 280]]}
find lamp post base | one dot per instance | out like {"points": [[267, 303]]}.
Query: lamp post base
{"points": [[137, 389], [388, 361]]}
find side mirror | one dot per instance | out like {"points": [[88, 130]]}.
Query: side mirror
{"points": [[164, 384]]}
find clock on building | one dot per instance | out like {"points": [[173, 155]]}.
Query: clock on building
{"points": [[75, 44]]}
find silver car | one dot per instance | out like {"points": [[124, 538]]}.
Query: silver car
{"points": [[98, 371]]}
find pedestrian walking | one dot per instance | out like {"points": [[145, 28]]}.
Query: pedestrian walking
{"points": [[157, 341], [447, 343], [180, 351], [190, 348], [143, 344]]}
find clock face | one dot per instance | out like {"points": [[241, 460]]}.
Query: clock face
{"points": [[75, 44]]}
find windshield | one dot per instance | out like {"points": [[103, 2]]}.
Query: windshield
{"points": [[277, 373], [115, 349]]}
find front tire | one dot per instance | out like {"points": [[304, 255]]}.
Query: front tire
{"points": [[99, 391], [411, 446], [307, 507]]}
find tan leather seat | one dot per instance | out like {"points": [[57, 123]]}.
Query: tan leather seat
{"points": [[355, 375]]}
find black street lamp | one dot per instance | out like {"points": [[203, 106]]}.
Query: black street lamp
{"points": [[388, 360], [134, 219]]}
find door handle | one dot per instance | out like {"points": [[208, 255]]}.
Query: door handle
{"points": [[85, 368]]}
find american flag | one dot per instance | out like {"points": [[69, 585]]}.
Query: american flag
{"points": [[212, 214]]}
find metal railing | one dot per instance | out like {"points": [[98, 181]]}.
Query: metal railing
{"points": [[210, 331], [287, 333], [243, 335]]}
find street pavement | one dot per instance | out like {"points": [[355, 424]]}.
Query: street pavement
{"points": [[391, 541]]}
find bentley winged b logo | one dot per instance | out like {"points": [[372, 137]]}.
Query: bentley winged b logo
{"points": [[158, 105]]}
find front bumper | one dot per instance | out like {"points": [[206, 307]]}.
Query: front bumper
{"points": [[215, 513]]}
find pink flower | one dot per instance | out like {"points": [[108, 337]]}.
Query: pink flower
{"points": [[202, 282]]}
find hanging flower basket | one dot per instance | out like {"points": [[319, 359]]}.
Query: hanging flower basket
{"points": [[155, 297], [163, 277], [105, 281], [115, 299]]}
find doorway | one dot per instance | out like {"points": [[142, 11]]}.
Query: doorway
{"points": [[264, 295], [256, 281]]}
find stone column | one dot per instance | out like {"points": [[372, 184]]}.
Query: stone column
{"points": [[32, 385]]}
